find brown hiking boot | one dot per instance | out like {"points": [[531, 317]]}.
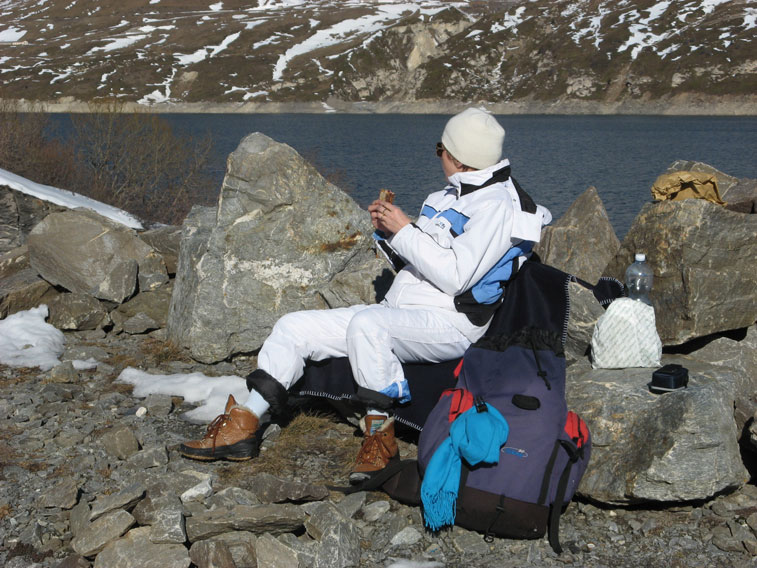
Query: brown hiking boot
{"points": [[231, 436], [379, 447]]}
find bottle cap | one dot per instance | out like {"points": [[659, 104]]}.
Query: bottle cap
{"points": [[640, 257]]}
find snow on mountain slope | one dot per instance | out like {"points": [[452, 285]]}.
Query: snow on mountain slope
{"points": [[155, 51]]}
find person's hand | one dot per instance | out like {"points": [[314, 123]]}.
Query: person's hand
{"points": [[387, 217]]}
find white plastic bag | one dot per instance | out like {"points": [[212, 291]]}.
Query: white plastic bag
{"points": [[626, 336]]}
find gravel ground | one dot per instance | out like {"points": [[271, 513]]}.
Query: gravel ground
{"points": [[58, 428]]}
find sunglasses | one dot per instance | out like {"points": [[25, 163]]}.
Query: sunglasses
{"points": [[439, 149]]}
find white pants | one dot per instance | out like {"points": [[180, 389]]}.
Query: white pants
{"points": [[376, 338]]}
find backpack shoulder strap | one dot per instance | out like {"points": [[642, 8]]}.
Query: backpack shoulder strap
{"points": [[553, 532]]}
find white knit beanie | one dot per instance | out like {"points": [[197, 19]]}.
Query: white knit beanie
{"points": [[474, 137]]}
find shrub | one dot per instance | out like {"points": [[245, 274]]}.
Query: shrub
{"points": [[26, 149], [133, 161], [136, 162]]}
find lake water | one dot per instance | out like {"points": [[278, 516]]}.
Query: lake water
{"points": [[555, 158]]}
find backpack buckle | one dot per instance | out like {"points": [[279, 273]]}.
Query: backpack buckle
{"points": [[480, 404]]}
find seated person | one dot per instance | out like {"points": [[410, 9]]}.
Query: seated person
{"points": [[469, 239]]}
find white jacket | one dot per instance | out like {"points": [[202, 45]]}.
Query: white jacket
{"points": [[458, 248]]}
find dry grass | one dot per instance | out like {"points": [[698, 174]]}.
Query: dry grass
{"points": [[158, 352], [309, 437], [120, 361], [10, 376], [5, 511]]}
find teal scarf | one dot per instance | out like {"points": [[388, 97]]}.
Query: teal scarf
{"points": [[474, 436]]}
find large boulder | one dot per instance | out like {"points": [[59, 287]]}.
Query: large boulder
{"points": [[90, 254], [582, 241], [150, 306], [678, 446], [21, 288], [704, 259], [281, 239], [19, 213], [736, 351], [165, 240], [73, 311]]}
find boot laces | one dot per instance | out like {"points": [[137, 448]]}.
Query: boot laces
{"points": [[372, 451], [214, 427]]}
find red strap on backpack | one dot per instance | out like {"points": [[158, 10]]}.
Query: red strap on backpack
{"points": [[462, 400], [577, 429], [458, 369]]}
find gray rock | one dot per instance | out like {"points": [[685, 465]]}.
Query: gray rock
{"points": [[241, 544], [75, 311], [123, 499], [152, 272], [84, 352], [265, 252], [136, 551], [582, 241], [153, 303], [677, 446], [723, 539], [79, 517], [232, 496], [257, 519], [24, 290], [198, 492], [19, 213], [169, 526], [165, 240], [158, 499], [585, 310], [177, 482], [271, 489], [149, 457], [74, 561], [63, 495], [95, 536], [352, 503], [158, 404], [196, 231], [275, 554], [406, 537], [469, 543], [64, 373], [14, 261], [120, 442], [211, 554], [740, 355], [704, 259], [138, 324], [338, 536], [305, 549], [88, 254], [373, 511]]}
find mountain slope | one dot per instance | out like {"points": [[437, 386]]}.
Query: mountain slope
{"points": [[537, 52]]}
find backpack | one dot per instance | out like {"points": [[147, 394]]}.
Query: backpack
{"points": [[521, 375]]}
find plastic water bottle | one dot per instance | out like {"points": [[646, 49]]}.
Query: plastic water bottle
{"points": [[639, 278]]}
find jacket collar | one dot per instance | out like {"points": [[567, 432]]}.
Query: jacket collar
{"points": [[528, 219], [468, 182]]}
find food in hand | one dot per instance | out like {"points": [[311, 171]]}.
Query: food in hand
{"points": [[386, 195]]}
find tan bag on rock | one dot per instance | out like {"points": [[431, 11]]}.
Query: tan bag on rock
{"points": [[687, 185]]}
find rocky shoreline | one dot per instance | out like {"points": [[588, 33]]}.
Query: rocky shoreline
{"points": [[90, 474], [688, 105]]}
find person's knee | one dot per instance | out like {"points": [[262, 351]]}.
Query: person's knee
{"points": [[365, 323], [289, 325]]}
